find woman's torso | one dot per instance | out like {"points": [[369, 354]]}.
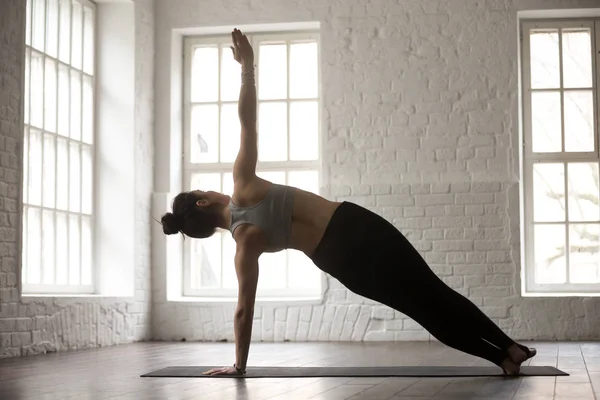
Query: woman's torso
{"points": [[309, 217]]}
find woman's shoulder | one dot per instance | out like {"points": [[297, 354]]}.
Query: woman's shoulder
{"points": [[251, 192]]}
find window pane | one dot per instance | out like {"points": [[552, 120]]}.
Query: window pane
{"points": [[550, 259], [75, 105], [62, 249], [64, 52], [86, 251], [546, 122], [579, 121], [63, 100], [304, 69], [230, 132], [229, 275], [577, 58], [204, 130], [34, 245], [38, 24], [228, 183], [49, 246], [206, 182], [35, 168], [74, 248], [27, 77], [26, 165], [548, 192], [87, 179], [205, 74], [272, 176], [87, 112], [206, 263], [583, 192], [62, 174], [303, 274], [272, 273], [88, 40], [37, 90], [52, 28], [49, 172], [25, 246], [77, 35], [272, 132], [28, 23], [545, 71], [304, 130], [272, 72], [230, 75], [74, 178], [50, 96], [305, 180], [584, 260]]}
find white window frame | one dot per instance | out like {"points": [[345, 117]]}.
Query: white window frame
{"points": [[262, 166], [61, 289], [530, 287]]}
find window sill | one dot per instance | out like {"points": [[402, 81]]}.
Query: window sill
{"points": [[260, 301], [75, 296], [551, 294]]}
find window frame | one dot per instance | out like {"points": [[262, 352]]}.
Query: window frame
{"points": [[56, 288], [189, 168], [530, 158]]}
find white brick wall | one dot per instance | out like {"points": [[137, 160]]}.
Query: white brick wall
{"points": [[420, 125], [34, 325]]}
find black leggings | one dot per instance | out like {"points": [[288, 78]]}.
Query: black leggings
{"points": [[372, 258]]}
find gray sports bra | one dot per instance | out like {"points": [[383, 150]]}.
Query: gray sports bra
{"points": [[273, 215]]}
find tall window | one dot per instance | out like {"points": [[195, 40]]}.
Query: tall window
{"points": [[287, 68], [561, 158], [58, 147]]}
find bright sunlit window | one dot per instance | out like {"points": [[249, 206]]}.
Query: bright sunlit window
{"points": [[58, 147], [287, 72], [561, 159]]}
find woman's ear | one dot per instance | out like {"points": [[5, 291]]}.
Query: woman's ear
{"points": [[202, 203]]}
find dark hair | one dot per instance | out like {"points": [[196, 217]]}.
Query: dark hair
{"points": [[190, 219]]}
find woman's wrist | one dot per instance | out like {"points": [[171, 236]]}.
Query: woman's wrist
{"points": [[247, 66], [240, 370], [248, 76]]}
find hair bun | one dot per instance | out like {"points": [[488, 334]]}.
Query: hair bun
{"points": [[171, 224]]}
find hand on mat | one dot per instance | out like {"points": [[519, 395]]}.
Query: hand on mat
{"points": [[222, 371], [242, 50]]}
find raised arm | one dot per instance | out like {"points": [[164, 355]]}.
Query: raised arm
{"points": [[244, 168]]}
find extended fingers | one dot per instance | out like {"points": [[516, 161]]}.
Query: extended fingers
{"points": [[212, 371]]}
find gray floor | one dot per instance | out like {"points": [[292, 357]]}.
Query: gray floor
{"points": [[113, 373]]}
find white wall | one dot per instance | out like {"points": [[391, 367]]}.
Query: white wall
{"points": [[30, 325], [421, 125]]}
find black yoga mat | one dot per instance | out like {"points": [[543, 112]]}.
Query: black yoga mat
{"points": [[311, 372]]}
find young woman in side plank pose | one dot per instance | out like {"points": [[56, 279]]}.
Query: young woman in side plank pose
{"points": [[362, 250]]}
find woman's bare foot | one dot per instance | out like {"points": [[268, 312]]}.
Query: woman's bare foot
{"points": [[519, 354], [509, 367]]}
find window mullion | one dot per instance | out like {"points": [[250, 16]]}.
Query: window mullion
{"points": [[43, 144], [219, 56], [566, 164], [55, 141], [596, 79]]}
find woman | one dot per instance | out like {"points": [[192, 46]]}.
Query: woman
{"points": [[359, 248]]}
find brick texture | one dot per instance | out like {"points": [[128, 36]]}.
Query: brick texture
{"points": [[420, 124], [37, 325]]}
